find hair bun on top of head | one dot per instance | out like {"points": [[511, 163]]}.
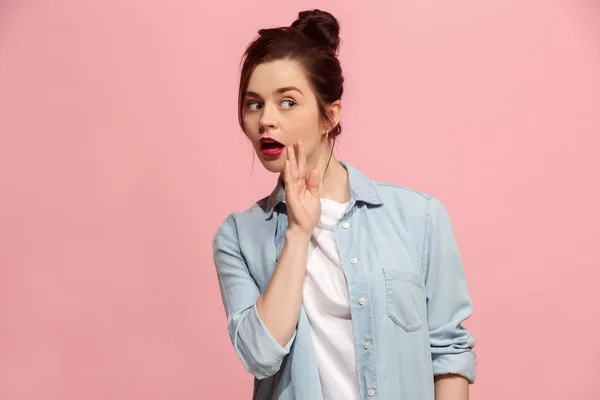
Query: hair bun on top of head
{"points": [[320, 26]]}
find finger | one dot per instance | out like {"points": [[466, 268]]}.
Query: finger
{"points": [[314, 182], [301, 160], [293, 164], [287, 175]]}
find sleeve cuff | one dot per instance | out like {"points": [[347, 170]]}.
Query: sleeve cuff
{"points": [[260, 353], [463, 364], [265, 342]]}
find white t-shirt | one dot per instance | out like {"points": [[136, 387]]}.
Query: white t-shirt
{"points": [[327, 306]]}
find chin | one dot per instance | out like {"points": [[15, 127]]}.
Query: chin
{"points": [[276, 166]]}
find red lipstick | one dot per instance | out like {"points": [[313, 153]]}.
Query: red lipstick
{"points": [[270, 147]]}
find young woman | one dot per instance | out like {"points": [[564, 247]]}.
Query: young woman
{"points": [[335, 287]]}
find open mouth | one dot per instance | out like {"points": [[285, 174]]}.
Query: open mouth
{"points": [[271, 147]]}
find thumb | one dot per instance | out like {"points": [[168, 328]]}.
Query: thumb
{"points": [[313, 183]]}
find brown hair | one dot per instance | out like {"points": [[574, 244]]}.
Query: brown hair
{"points": [[312, 40]]}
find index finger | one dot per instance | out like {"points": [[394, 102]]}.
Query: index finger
{"points": [[301, 160], [293, 163]]}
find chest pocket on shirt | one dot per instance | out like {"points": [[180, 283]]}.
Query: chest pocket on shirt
{"points": [[404, 295]]}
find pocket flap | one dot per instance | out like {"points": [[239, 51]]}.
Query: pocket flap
{"points": [[404, 275]]}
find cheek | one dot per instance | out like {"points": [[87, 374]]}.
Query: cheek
{"points": [[304, 124], [251, 127]]}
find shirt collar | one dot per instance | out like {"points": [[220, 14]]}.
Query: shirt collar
{"points": [[362, 189]]}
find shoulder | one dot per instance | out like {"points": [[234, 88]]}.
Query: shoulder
{"points": [[403, 197], [392, 196], [391, 191], [253, 216], [413, 204]]}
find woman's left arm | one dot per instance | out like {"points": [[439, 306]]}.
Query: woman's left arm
{"points": [[451, 387], [448, 306]]}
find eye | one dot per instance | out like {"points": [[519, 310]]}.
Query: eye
{"points": [[253, 105], [288, 103]]}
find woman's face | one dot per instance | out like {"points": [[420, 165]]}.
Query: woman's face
{"points": [[280, 110]]}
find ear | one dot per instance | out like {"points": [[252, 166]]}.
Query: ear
{"points": [[334, 112]]}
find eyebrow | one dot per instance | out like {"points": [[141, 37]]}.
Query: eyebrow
{"points": [[277, 91]]}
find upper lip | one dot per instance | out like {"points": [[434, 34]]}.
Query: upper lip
{"points": [[267, 139]]}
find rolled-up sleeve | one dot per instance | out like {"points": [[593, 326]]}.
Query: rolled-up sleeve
{"points": [[448, 301], [254, 345]]}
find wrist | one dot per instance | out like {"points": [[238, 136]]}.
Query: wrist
{"points": [[292, 234]]}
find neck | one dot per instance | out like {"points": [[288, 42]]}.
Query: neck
{"points": [[333, 176]]}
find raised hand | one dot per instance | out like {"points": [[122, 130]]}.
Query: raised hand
{"points": [[301, 192]]}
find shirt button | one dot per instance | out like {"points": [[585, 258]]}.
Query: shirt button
{"points": [[354, 261], [346, 225], [371, 392], [367, 345], [362, 301]]}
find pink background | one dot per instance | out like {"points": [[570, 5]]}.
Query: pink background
{"points": [[120, 154]]}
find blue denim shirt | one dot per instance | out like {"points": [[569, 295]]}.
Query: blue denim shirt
{"points": [[406, 286]]}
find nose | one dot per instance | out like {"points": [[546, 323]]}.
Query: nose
{"points": [[268, 119]]}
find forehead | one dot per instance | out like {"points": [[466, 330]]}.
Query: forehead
{"points": [[270, 76]]}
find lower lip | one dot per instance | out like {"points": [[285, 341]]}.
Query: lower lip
{"points": [[270, 153]]}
